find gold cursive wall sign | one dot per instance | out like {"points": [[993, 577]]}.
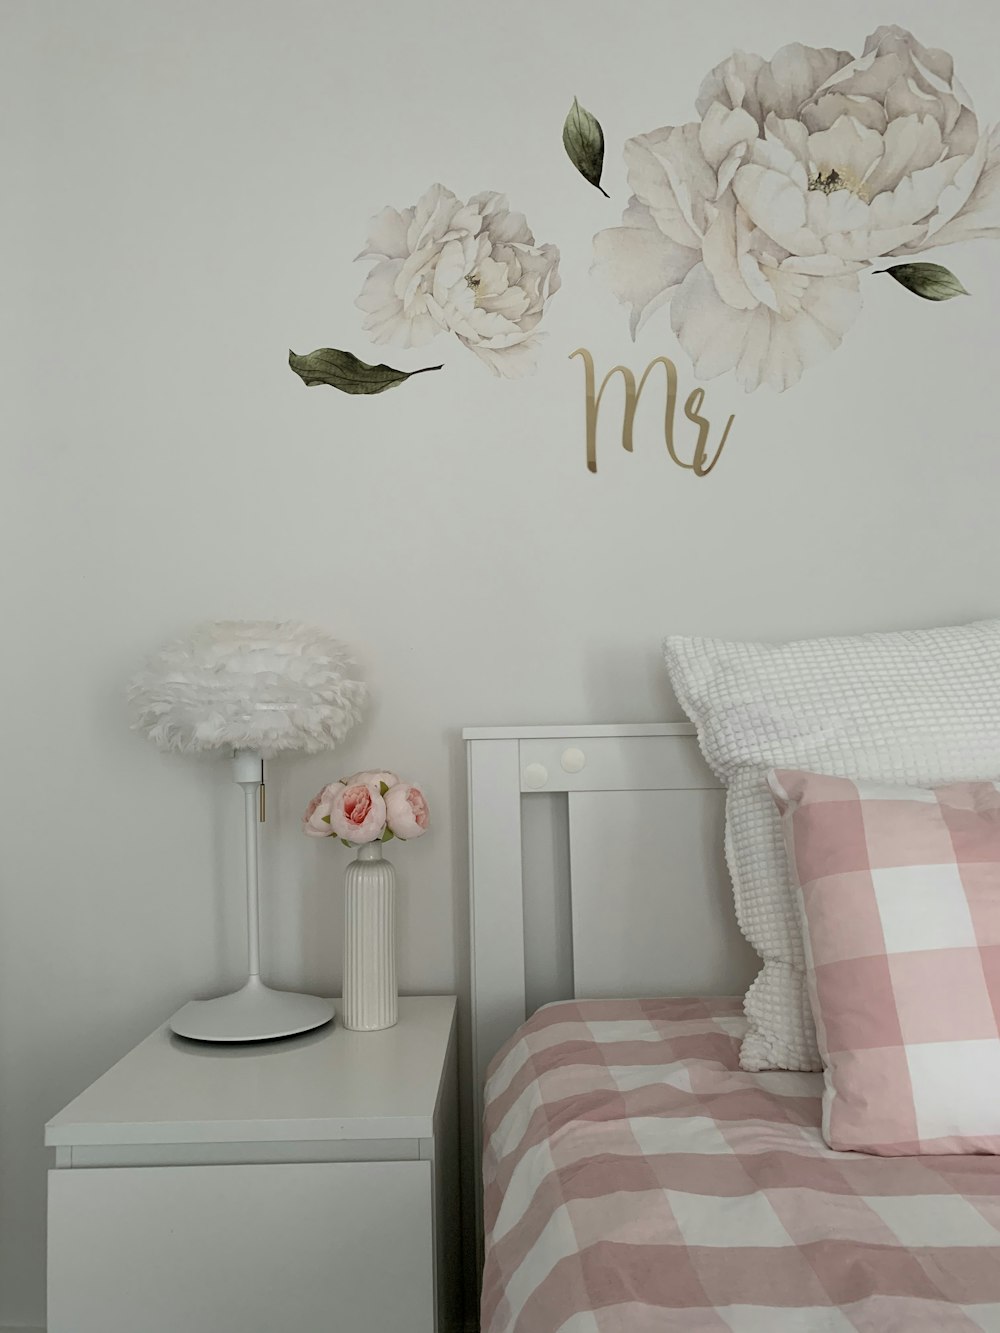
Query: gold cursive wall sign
{"points": [[700, 464]]}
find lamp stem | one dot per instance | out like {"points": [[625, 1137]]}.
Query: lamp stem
{"points": [[248, 771], [250, 790]]}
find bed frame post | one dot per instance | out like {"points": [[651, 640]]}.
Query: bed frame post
{"points": [[496, 906]]}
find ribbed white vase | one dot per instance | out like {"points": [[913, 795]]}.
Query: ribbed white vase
{"points": [[370, 1001]]}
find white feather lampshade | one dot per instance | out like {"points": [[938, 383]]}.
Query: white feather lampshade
{"points": [[256, 687]]}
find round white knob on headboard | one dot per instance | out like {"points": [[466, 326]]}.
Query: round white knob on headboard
{"points": [[535, 775], [573, 760]]}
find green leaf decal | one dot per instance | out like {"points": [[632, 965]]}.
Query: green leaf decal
{"points": [[933, 282], [583, 140], [344, 371]]}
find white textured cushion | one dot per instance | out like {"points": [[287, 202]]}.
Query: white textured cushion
{"points": [[919, 708]]}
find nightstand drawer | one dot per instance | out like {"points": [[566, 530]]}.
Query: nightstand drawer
{"points": [[330, 1247]]}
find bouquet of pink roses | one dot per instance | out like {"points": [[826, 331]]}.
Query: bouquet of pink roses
{"points": [[368, 807]]}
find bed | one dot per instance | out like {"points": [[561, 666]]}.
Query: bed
{"points": [[636, 1180], [633, 1177]]}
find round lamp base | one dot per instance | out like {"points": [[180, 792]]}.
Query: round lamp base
{"points": [[254, 1013]]}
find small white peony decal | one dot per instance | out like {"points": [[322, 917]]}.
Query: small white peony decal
{"points": [[472, 269], [753, 223]]}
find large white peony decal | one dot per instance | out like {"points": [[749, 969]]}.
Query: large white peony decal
{"points": [[753, 223], [471, 269]]}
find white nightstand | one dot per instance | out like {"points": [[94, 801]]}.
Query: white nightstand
{"points": [[298, 1186]]}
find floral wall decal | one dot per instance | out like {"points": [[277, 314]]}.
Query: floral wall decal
{"points": [[583, 140], [471, 269], [345, 371], [933, 282], [753, 223]]}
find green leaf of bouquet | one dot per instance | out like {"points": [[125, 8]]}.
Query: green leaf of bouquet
{"points": [[344, 371], [583, 140], [345, 842], [383, 787], [933, 282], [388, 835]]}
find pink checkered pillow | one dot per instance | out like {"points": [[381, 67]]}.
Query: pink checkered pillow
{"points": [[899, 895]]}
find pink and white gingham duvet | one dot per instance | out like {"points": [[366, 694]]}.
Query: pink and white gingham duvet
{"points": [[637, 1181]]}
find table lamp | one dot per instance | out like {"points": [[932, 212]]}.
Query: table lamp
{"points": [[256, 688]]}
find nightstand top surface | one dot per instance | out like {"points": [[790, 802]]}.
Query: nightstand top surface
{"points": [[330, 1084]]}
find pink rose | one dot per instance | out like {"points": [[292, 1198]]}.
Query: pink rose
{"points": [[316, 820], [372, 776], [406, 810], [357, 812]]}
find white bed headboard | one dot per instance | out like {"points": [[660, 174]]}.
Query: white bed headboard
{"points": [[621, 890]]}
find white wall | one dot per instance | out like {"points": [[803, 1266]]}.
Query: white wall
{"points": [[186, 185]]}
